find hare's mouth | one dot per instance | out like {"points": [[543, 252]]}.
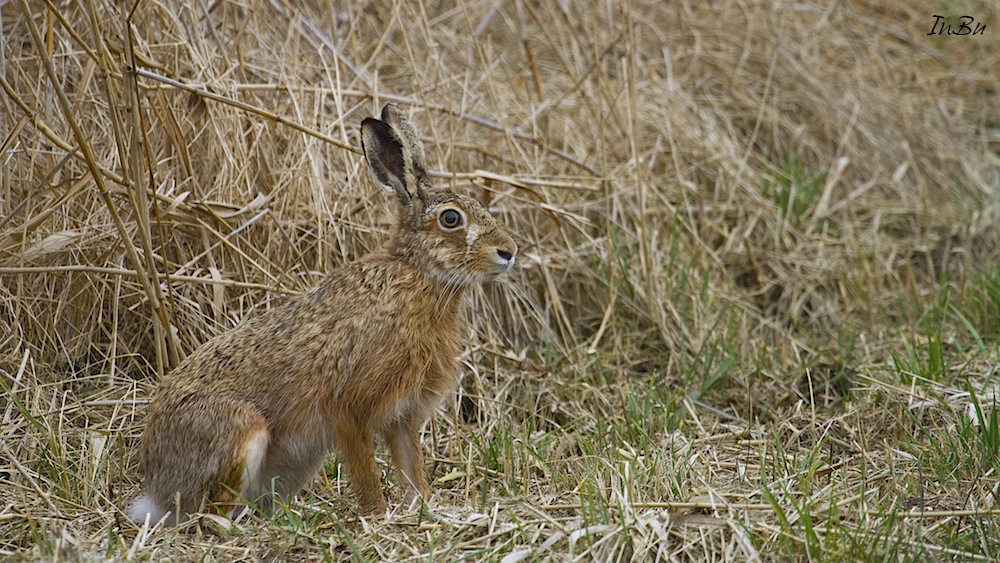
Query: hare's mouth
{"points": [[500, 270]]}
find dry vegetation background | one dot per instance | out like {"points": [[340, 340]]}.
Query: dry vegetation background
{"points": [[757, 305]]}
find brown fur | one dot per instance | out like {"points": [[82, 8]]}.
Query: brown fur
{"points": [[369, 352]]}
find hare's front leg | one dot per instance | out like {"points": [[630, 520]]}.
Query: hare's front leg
{"points": [[403, 436], [357, 448]]}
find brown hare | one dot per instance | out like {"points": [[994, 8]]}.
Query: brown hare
{"points": [[368, 353]]}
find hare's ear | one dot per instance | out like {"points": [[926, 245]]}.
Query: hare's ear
{"points": [[391, 157], [385, 156], [394, 117]]}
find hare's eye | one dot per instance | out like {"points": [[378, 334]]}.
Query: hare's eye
{"points": [[450, 219]]}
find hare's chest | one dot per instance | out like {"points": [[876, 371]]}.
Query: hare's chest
{"points": [[441, 374], [434, 372]]}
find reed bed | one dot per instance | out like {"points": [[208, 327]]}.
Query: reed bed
{"points": [[755, 314]]}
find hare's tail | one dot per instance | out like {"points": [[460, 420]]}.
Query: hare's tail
{"points": [[144, 507]]}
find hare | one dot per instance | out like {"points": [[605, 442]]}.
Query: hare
{"points": [[368, 353]]}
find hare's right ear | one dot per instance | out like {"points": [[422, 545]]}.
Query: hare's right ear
{"points": [[389, 149], [407, 132]]}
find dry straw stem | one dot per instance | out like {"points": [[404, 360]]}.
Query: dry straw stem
{"points": [[755, 311]]}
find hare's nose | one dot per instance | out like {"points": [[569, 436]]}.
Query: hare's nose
{"points": [[504, 254]]}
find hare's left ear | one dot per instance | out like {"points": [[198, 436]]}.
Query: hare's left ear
{"points": [[394, 154]]}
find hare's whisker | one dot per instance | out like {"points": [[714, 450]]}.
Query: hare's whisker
{"points": [[455, 282]]}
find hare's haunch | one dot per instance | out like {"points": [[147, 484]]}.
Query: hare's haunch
{"points": [[368, 353]]}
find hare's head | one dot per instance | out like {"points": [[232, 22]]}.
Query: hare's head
{"points": [[448, 236]]}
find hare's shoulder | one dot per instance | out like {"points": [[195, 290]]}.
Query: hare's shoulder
{"points": [[376, 279]]}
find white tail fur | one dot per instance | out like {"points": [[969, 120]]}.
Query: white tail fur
{"points": [[143, 507]]}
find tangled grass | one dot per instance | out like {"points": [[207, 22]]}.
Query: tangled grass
{"points": [[756, 316]]}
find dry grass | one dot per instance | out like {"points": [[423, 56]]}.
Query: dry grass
{"points": [[756, 316]]}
